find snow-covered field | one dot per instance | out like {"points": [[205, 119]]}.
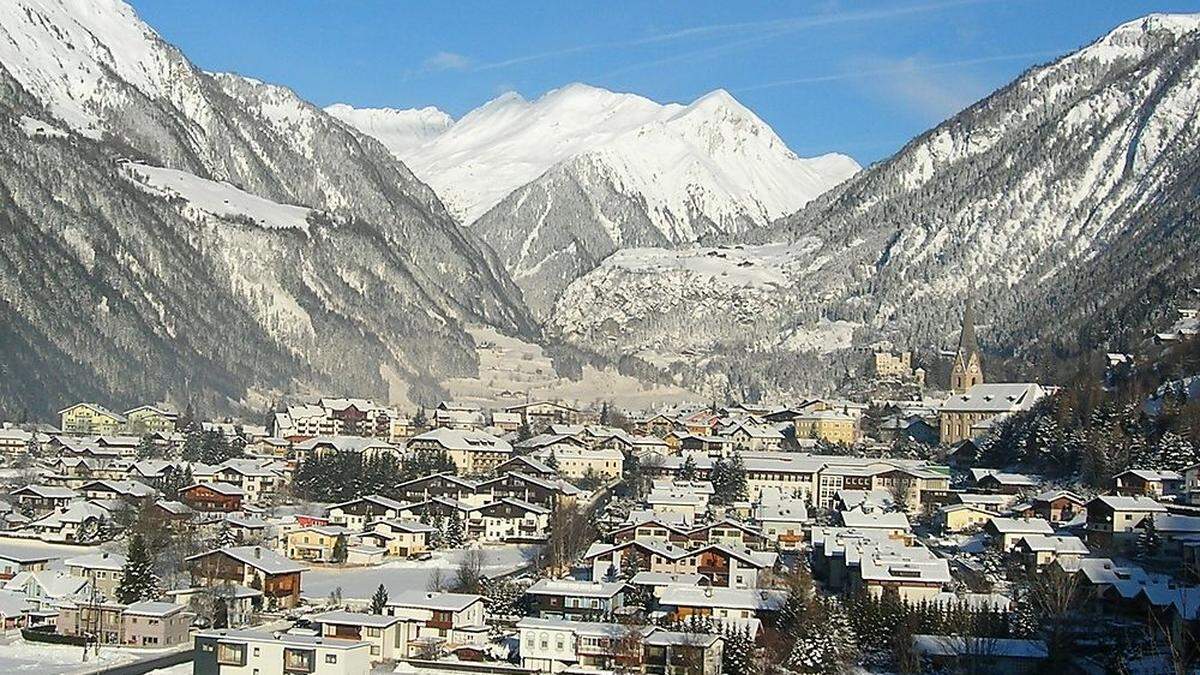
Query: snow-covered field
{"points": [[221, 199], [510, 370], [38, 547], [20, 656], [359, 583]]}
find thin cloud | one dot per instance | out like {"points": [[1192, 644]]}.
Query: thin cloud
{"points": [[773, 28], [904, 67], [446, 61]]}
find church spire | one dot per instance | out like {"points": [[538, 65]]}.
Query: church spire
{"points": [[967, 370], [966, 339]]}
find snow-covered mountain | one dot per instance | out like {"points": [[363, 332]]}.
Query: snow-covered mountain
{"points": [[172, 233], [398, 130], [557, 184], [1066, 202]]}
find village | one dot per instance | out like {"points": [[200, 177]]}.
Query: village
{"points": [[925, 526]]}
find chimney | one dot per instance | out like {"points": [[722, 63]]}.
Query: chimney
{"points": [[276, 635], [257, 552], [708, 591]]}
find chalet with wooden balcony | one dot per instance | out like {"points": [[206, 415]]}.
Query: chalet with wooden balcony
{"points": [[575, 600], [528, 466], [655, 528], [398, 537], [539, 415], [740, 608], [720, 564], [728, 531], [438, 485], [130, 491], [213, 497], [1057, 506], [356, 513], [1147, 483], [528, 488], [511, 519], [252, 566], [40, 500], [450, 618]]}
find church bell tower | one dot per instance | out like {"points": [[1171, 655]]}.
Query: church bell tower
{"points": [[967, 370]]}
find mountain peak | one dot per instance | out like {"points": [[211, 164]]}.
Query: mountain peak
{"points": [[1178, 24]]}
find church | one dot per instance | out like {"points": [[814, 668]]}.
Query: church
{"points": [[967, 370], [974, 406]]}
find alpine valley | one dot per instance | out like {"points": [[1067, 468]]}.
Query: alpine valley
{"points": [[204, 237]]}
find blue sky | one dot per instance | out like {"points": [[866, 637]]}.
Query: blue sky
{"points": [[856, 77]]}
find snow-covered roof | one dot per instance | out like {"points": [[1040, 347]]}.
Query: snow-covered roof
{"points": [[1062, 545], [647, 578], [455, 602], [575, 588], [257, 557], [356, 619], [1135, 503], [287, 639], [995, 398], [151, 608], [1021, 526], [728, 598], [875, 521], [97, 561]]}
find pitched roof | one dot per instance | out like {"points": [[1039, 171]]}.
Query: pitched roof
{"points": [[97, 561], [258, 557], [575, 588], [1021, 526], [1059, 545], [995, 398], [730, 598], [1122, 503], [465, 440]]}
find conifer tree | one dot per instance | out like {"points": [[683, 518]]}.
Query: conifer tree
{"points": [[1148, 542], [146, 449], [688, 470], [379, 600], [220, 613], [138, 580], [339, 549], [454, 536], [738, 654]]}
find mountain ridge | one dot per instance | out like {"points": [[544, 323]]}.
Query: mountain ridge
{"points": [[374, 236], [1040, 187]]}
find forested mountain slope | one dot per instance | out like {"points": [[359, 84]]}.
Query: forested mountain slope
{"points": [[1064, 202], [172, 233]]}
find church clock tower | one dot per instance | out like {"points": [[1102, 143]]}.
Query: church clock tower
{"points": [[967, 370]]}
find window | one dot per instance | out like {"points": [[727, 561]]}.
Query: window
{"points": [[374, 650], [331, 658], [257, 651], [300, 660], [373, 632], [231, 654]]}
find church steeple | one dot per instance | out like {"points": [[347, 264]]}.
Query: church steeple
{"points": [[967, 370]]}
